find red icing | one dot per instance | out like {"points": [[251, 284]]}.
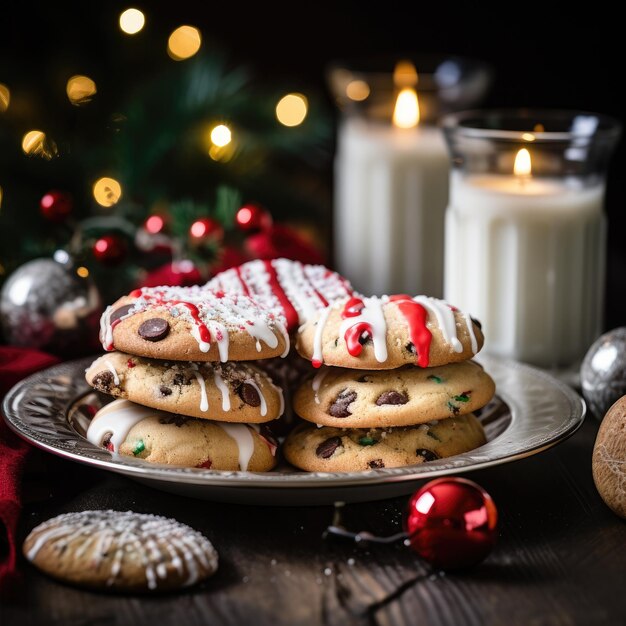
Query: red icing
{"points": [[206, 464], [130, 363], [291, 314], [205, 335], [353, 308], [416, 316], [135, 293], [316, 364], [322, 299], [242, 281], [109, 447]]}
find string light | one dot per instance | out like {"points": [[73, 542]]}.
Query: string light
{"points": [[80, 89], [5, 97], [107, 191], [35, 143], [82, 271], [183, 43], [132, 21], [221, 135], [292, 109]]}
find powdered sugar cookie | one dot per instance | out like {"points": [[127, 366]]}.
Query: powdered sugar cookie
{"points": [[121, 551]]}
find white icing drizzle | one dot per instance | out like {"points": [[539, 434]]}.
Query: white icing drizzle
{"points": [[224, 390], [372, 314], [296, 286], [204, 346], [118, 418], [470, 330], [243, 438], [106, 332], [116, 378], [220, 334], [132, 538], [316, 383], [319, 330], [204, 400], [445, 319], [253, 383]]}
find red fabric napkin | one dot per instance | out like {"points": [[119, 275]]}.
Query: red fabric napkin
{"points": [[15, 364]]}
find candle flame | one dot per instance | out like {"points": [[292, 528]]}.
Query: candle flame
{"points": [[406, 113], [404, 74], [522, 165]]}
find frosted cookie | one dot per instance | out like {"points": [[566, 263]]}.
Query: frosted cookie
{"points": [[388, 332], [401, 397], [123, 427], [121, 551], [328, 449], [192, 324], [290, 289], [232, 392]]}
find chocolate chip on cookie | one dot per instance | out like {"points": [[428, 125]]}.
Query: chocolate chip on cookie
{"points": [[165, 391], [249, 394], [154, 329], [426, 455], [376, 464], [327, 448], [120, 312], [339, 408], [103, 381], [392, 397]]}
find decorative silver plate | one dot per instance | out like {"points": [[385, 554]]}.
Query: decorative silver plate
{"points": [[531, 412]]}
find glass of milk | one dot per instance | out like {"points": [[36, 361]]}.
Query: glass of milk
{"points": [[392, 168], [525, 231]]}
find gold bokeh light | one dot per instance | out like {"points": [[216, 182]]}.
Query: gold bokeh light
{"points": [[35, 143], [82, 271], [221, 135], [184, 42], [132, 21], [357, 90], [80, 89], [107, 191], [291, 109], [5, 97]]}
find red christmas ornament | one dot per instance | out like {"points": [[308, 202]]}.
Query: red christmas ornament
{"points": [[109, 250], [206, 229], [452, 523], [56, 205], [253, 217], [154, 224], [175, 274], [280, 241]]}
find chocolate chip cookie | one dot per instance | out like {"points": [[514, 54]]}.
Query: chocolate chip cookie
{"points": [[401, 397], [328, 449]]}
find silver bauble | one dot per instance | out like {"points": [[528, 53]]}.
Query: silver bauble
{"points": [[603, 372], [46, 305]]}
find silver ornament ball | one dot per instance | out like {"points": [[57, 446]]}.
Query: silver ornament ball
{"points": [[46, 305], [603, 372]]}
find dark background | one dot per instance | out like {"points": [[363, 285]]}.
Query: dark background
{"points": [[566, 58]]}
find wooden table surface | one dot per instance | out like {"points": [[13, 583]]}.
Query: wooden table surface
{"points": [[559, 558]]}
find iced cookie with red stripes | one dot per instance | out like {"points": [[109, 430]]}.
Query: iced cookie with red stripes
{"points": [[193, 324], [129, 429], [290, 289], [329, 449], [388, 332], [231, 392], [401, 397]]}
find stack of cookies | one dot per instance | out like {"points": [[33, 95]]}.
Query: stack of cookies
{"points": [[396, 385], [184, 365]]}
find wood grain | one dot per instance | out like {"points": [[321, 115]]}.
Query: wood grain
{"points": [[558, 560]]}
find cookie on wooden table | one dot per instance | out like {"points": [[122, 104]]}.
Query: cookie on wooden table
{"points": [[232, 392], [121, 551], [401, 397], [293, 290], [388, 332], [192, 324], [329, 449], [130, 429]]}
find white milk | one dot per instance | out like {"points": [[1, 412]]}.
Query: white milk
{"points": [[391, 191], [527, 258]]}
